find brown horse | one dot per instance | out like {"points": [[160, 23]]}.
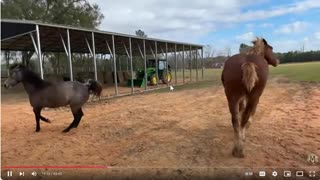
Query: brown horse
{"points": [[244, 78]]}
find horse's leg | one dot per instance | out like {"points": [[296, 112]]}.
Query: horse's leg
{"points": [[242, 105], [236, 118], [45, 119], [37, 112], [79, 116], [247, 115], [73, 122], [249, 111], [71, 125]]}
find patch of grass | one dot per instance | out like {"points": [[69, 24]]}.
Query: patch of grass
{"points": [[211, 77], [190, 85], [298, 72], [208, 74]]}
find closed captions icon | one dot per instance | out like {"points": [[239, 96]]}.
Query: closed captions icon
{"points": [[262, 173], [299, 173]]}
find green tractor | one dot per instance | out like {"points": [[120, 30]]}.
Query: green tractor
{"points": [[164, 74]]}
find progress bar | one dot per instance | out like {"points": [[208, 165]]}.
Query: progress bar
{"points": [[54, 167]]}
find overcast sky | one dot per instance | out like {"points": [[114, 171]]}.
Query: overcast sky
{"points": [[287, 25]]}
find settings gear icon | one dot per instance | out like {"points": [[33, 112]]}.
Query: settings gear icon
{"points": [[274, 173]]}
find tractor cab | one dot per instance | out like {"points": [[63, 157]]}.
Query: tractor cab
{"points": [[162, 64], [151, 63]]}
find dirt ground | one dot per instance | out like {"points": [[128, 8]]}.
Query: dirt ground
{"points": [[188, 131]]}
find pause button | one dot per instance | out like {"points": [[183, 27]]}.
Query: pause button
{"points": [[9, 173]]}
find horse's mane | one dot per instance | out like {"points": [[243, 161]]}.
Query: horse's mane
{"points": [[258, 47], [30, 76], [11, 67]]}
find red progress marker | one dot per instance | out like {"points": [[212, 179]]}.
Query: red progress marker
{"points": [[54, 167]]}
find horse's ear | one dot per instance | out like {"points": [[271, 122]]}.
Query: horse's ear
{"points": [[264, 42], [255, 41]]}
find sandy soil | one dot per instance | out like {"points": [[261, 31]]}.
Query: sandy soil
{"points": [[188, 133]]}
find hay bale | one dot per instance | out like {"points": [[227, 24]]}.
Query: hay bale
{"points": [[125, 75], [91, 74], [109, 78], [101, 77], [120, 77]]}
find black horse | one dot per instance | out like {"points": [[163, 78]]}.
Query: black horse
{"points": [[48, 94]]}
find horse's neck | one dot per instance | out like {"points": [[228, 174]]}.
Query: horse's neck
{"points": [[32, 87]]}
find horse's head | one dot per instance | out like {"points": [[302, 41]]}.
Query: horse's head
{"points": [[263, 48], [15, 75]]}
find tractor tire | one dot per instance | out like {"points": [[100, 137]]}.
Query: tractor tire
{"points": [[166, 77], [153, 79]]}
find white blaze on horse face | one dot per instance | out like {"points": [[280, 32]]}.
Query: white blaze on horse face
{"points": [[5, 84], [9, 83]]}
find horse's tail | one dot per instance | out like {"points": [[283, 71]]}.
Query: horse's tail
{"points": [[249, 75], [94, 87]]}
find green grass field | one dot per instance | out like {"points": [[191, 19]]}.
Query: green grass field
{"points": [[298, 72], [295, 72]]}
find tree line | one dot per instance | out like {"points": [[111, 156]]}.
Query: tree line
{"points": [[298, 56], [291, 56]]}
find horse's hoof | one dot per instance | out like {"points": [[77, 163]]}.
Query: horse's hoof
{"points": [[238, 153], [38, 130], [66, 130], [48, 121]]}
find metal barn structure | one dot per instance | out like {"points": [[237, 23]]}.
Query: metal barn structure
{"points": [[18, 35]]}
